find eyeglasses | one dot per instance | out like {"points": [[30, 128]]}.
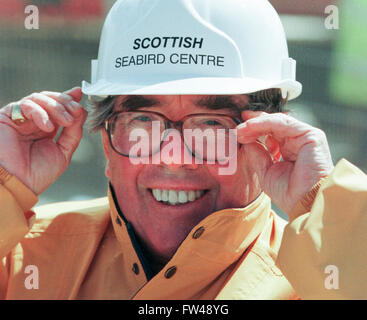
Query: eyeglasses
{"points": [[207, 136]]}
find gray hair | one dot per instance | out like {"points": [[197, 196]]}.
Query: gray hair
{"points": [[270, 101], [101, 110]]}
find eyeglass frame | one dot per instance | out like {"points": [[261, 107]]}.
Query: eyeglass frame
{"points": [[169, 124]]}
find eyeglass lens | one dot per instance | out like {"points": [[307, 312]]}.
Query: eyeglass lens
{"points": [[208, 137]]}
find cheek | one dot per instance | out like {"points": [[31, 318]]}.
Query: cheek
{"points": [[230, 178], [123, 178], [233, 188], [243, 186]]}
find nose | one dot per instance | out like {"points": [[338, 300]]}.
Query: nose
{"points": [[173, 152]]}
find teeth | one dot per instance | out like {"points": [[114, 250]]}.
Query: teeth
{"points": [[157, 194], [182, 197], [174, 197], [164, 195], [192, 196]]}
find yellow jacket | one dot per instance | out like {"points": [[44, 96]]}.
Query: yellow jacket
{"points": [[84, 250]]}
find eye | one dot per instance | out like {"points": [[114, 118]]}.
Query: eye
{"points": [[211, 122], [142, 118]]}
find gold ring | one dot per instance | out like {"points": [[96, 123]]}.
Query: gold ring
{"points": [[17, 116]]}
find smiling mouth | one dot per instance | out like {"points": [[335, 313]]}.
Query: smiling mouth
{"points": [[177, 197]]}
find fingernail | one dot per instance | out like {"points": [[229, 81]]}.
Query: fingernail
{"points": [[49, 124], [68, 117], [262, 139], [71, 90], [246, 134], [242, 125], [74, 105]]}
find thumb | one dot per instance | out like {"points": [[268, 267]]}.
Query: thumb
{"points": [[260, 158], [70, 137], [75, 93]]}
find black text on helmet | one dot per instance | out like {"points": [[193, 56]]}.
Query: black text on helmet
{"points": [[168, 42]]}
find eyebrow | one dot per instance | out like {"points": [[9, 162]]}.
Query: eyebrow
{"points": [[224, 102], [212, 102], [135, 102]]}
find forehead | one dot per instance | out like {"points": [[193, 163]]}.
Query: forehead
{"points": [[182, 102]]}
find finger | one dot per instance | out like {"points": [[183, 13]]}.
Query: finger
{"points": [[66, 100], [33, 111], [75, 93], [291, 135], [55, 109], [273, 147], [259, 157], [70, 137], [279, 125], [249, 114]]}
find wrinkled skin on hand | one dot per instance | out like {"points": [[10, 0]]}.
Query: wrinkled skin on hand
{"points": [[30, 150], [303, 149]]}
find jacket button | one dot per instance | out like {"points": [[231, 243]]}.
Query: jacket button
{"points": [[198, 232], [118, 221], [170, 272], [135, 268]]}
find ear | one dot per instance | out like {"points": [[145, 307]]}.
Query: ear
{"points": [[106, 149]]}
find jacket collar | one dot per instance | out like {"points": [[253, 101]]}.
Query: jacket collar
{"points": [[227, 234]]}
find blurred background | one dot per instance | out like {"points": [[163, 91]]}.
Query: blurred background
{"points": [[331, 59]]}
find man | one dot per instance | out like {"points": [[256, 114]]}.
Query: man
{"points": [[177, 224]]}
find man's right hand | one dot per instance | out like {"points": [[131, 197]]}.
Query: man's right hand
{"points": [[30, 151]]}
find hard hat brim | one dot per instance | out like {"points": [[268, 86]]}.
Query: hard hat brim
{"points": [[193, 86]]}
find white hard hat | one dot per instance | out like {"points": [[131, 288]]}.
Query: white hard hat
{"points": [[192, 47]]}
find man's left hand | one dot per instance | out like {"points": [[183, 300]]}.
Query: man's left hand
{"points": [[304, 151]]}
